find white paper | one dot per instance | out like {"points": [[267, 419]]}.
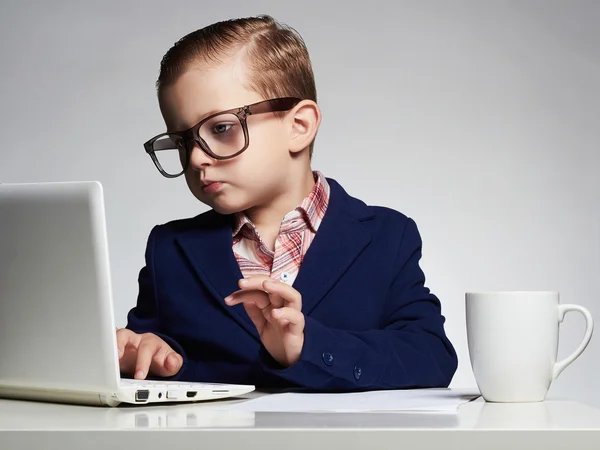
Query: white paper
{"points": [[423, 400]]}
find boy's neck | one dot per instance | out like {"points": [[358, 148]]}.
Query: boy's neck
{"points": [[267, 218]]}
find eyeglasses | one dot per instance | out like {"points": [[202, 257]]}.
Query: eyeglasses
{"points": [[223, 135]]}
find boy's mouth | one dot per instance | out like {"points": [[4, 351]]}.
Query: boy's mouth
{"points": [[210, 186]]}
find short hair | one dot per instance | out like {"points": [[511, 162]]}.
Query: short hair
{"points": [[276, 55]]}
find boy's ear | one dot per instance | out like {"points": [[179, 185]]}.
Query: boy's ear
{"points": [[306, 118]]}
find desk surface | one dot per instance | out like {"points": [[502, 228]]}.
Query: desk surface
{"points": [[550, 424]]}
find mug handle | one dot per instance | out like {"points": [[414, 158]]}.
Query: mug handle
{"points": [[589, 328]]}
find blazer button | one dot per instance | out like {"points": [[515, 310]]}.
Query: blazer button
{"points": [[357, 372], [328, 358]]}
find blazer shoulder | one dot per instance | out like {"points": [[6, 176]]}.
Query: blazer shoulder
{"points": [[390, 215], [358, 209], [207, 220]]}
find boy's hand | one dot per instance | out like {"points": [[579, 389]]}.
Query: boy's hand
{"points": [[143, 354], [276, 310]]}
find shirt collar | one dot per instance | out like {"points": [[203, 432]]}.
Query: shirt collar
{"points": [[312, 209]]}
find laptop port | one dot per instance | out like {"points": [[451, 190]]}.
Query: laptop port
{"points": [[191, 394], [142, 396]]}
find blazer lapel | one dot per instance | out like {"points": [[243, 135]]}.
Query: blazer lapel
{"points": [[340, 239], [211, 256], [343, 234]]}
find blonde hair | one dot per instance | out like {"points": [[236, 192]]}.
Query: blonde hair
{"points": [[276, 55]]}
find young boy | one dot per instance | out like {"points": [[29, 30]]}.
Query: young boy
{"points": [[288, 281]]}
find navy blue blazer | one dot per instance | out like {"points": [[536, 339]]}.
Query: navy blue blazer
{"points": [[370, 321]]}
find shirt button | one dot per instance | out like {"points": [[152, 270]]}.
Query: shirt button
{"points": [[285, 277], [357, 372], [328, 358]]}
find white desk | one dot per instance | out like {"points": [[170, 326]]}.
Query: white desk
{"points": [[554, 424]]}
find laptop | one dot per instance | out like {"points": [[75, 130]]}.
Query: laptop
{"points": [[57, 327]]}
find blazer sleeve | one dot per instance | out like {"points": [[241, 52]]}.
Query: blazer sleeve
{"points": [[410, 350], [145, 316]]}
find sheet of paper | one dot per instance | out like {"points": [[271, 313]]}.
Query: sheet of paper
{"points": [[424, 400]]}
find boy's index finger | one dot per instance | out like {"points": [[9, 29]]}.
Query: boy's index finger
{"points": [[146, 351], [256, 296], [255, 282], [126, 337], [291, 296]]}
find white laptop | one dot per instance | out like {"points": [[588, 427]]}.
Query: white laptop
{"points": [[57, 327]]}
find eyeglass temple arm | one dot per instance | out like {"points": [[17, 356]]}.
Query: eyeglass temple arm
{"points": [[275, 105]]}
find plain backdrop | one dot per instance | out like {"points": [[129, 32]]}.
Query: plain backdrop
{"points": [[479, 119]]}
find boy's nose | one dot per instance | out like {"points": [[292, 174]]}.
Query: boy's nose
{"points": [[198, 158]]}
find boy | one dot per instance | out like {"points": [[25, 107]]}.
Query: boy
{"points": [[288, 281]]}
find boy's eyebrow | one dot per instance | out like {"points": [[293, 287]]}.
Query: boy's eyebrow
{"points": [[202, 117]]}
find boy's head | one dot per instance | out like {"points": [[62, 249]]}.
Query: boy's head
{"points": [[224, 67]]}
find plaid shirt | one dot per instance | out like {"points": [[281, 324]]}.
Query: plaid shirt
{"points": [[296, 233]]}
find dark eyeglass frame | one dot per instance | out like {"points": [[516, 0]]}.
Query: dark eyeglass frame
{"points": [[191, 136]]}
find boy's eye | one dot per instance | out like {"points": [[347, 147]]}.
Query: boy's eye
{"points": [[221, 128]]}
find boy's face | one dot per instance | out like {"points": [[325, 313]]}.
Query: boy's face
{"points": [[249, 180]]}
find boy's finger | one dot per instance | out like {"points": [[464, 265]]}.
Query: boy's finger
{"points": [[256, 315], [125, 338], [146, 351], [259, 298], [291, 296], [251, 283], [165, 362], [276, 300], [293, 316], [173, 363], [283, 322]]}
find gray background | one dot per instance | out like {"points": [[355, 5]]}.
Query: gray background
{"points": [[479, 119]]}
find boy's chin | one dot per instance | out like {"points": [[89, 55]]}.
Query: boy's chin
{"points": [[222, 204], [224, 210], [221, 208]]}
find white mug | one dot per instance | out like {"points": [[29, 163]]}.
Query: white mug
{"points": [[513, 343]]}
